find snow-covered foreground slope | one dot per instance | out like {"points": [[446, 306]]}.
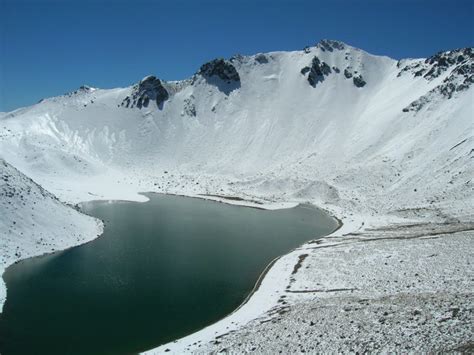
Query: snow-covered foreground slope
{"points": [[373, 140], [34, 222]]}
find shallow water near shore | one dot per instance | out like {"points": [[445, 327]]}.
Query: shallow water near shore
{"points": [[161, 270]]}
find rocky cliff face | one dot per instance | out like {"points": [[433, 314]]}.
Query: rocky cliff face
{"points": [[331, 45], [461, 77], [439, 63], [220, 68], [221, 73], [148, 89]]}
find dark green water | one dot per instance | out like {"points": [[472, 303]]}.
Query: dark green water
{"points": [[161, 270]]}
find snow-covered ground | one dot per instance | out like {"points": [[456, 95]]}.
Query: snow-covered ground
{"points": [[34, 222], [381, 144]]}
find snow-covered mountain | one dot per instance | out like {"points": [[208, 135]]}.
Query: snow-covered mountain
{"points": [[364, 136], [321, 122]]}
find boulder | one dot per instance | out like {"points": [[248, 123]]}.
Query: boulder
{"points": [[358, 81]]}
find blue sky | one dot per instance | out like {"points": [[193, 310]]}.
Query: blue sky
{"points": [[49, 47]]}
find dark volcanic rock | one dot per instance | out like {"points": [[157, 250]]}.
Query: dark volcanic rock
{"points": [[150, 88], [261, 59], [220, 68], [330, 45], [359, 81], [305, 70], [317, 71], [83, 89], [347, 73], [461, 77], [222, 74], [439, 63]]}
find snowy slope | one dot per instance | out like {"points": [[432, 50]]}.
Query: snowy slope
{"points": [[371, 139], [34, 222], [274, 123]]}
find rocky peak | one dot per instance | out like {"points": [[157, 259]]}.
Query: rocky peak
{"points": [[220, 68], [460, 62], [261, 58], [439, 63], [84, 89], [149, 88], [331, 45]]}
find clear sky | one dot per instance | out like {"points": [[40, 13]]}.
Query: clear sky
{"points": [[49, 47]]}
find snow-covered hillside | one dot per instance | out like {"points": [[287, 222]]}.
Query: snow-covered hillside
{"points": [[34, 222], [369, 138], [270, 129]]}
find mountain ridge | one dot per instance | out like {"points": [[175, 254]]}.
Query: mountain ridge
{"points": [[325, 45], [395, 150]]}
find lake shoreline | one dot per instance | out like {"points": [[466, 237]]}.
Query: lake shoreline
{"points": [[261, 275]]}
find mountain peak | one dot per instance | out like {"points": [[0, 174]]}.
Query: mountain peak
{"points": [[221, 68], [150, 88], [331, 45]]}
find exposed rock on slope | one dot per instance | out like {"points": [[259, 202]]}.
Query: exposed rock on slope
{"points": [[148, 89], [221, 74], [358, 81], [261, 58], [317, 71], [221, 68], [330, 45], [458, 63], [438, 64]]}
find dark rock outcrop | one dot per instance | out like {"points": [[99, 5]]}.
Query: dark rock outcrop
{"points": [[148, 89], [357, 78], [222, 74], [317, 71], [460, 79], [331, 45], [441, 61], [438, 64], [305, 70], [83, 89], [460, 62], [358, 81], [220, 68], [261, 59], [347, 73]]}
